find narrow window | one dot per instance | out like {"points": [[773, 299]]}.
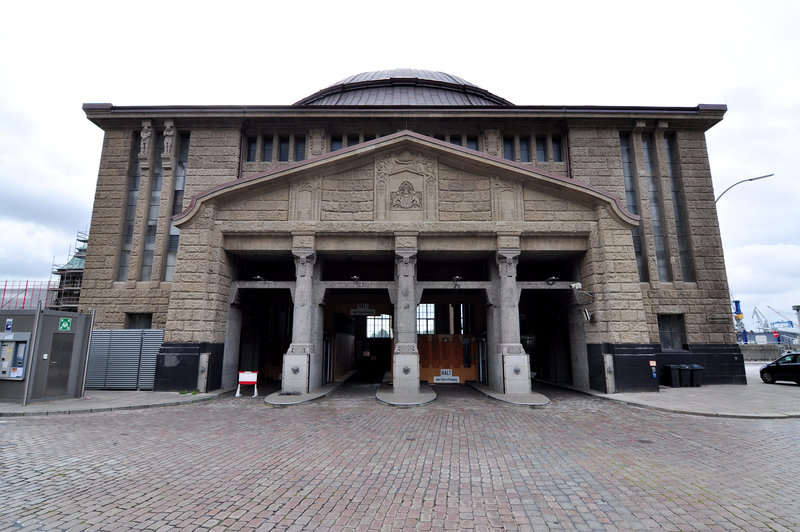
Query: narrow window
{"points": [[134, 176], [541, 149], [283, 149], [299, 147], [557, 153], [508, 148], [472, 142], [352, 140], [252, 142], [152, 212], [671, 332], [138, 320], [455, 139], [656, 209], [379, 326], [679, 209], [632, 202], [336, 142], [266, 148], [179, 186], [439, 137], [525, 148], [367, 138], [426, 319]]}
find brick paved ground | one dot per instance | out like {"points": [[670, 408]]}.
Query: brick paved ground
{"points": [[350, 463]]}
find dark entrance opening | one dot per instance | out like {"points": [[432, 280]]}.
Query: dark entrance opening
{"points": [[544, 332], [358, 327], [266, 332]]}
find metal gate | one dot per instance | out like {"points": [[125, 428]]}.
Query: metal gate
{"points": [[123, 359]]}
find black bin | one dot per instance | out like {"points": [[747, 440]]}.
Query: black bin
{"points": [[686, 374], [672, 375], [697, 374]]}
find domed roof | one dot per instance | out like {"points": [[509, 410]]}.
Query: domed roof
{"points": [[404, 87]]}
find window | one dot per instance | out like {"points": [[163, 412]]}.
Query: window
{"points": [[679, 210], [367, 138], [336, 142], [439, 137], [379, 326], [455, 139], [283, 149], [139, 320], [152, 212], [656, 209], [508, 148], [299, 147], [266, 148], [472, 142], [671, 332], [632, 202], [425, 319], [179, 186], [252, 143], [525, 149], [352, 140], [557, 155], [134, 176], [541, 149]]}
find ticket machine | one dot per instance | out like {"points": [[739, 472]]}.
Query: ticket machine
{"points": [[14, 355]]}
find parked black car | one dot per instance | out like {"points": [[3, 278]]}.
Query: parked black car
{"points": [[785, 368]]}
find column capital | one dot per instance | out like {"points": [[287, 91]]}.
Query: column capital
{"points": [[507, 261], [406, 261], [304, 260]]}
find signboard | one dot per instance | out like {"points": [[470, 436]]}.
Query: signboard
{"points": [[446, 377], [64, 324], [9, 324], [775, 334], [362, 310], [247, 378]]}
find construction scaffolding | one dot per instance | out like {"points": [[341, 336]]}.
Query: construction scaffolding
{"points": [[66, 292], [24, 295]]}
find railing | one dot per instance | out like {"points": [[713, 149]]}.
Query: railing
{"points": [[21, 295]]}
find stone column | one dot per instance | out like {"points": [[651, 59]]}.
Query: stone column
{"points": [[297, 359], [406, 355], [516, 366]]}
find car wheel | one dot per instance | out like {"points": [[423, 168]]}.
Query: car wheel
{"points": [[767, 377]]}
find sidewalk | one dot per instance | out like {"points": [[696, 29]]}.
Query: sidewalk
{"points": [[755, 400]]}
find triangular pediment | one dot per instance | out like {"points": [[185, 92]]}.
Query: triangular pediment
{"points": [[409, 177]]}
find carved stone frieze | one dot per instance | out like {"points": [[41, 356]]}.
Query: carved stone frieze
{"points": [[304, 199], [405, 182]]}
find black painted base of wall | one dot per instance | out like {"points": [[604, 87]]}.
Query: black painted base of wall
{"points": [[722, 364], [177, 366]]}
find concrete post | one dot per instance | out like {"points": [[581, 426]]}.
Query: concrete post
{"points": [[516, 365], [297, 359], [406, 356]]}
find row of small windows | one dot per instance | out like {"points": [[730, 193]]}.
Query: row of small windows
{"points": [[522, 148], [281, 148], [290, 148]]}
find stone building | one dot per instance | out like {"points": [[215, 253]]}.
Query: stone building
{"points": [[412, 226]]}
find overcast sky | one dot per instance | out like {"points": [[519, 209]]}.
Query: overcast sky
{"points": [[58, 55]]}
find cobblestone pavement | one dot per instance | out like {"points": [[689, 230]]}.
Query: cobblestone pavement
{"points": [[348, 462]]}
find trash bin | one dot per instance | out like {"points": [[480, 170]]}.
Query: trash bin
{"points": [[672, 375], [697, 374], [686, 375]]}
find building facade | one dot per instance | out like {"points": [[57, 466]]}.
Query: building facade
{"points": [[412, 226]]}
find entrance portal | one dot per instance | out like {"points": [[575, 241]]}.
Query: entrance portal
{"points": [[451, 330], [358, 327], [266, 332], [544, 332]]}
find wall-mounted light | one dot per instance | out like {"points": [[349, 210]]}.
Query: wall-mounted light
{"points": [[457, 279], [551, 280], [355, 278]]}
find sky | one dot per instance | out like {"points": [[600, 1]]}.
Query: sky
{"points": [[58, 55]]}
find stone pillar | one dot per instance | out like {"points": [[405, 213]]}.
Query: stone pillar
{"points": [[297, 359], [406, 356], [516, 365]]}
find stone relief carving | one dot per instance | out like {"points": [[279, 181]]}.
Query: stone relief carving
{"points": [[508, 264], [406, 263], [144, 145], [304, 198], [303, 263], [406, 197], [506, 200]]}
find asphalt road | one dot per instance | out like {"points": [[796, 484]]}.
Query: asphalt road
{"points": [[349, 462]]}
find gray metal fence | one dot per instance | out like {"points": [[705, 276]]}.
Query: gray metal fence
{"points": [[123, 359]]}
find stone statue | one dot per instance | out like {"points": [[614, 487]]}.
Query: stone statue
{"points": [[144, 148]]}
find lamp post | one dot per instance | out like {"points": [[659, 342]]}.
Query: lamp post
{"points": [[740, 182]]}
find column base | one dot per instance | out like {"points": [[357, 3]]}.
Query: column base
{"points": [[405, 366], [295, 369], [516, 368]]}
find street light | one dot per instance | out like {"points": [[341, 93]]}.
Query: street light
{"points": [[740, 182]]}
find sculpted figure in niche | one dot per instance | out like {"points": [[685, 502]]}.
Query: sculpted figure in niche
{"points": [[169, 133], [144, 147], [406, 197]]}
